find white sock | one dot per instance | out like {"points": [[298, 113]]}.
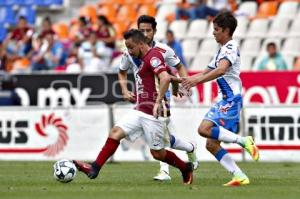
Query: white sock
{"points": [[229, 164], [180, 144], [222, 134], [164, 167]]}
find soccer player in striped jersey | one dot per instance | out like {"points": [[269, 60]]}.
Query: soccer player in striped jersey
{"points": [[147, 25], [222, 120]]}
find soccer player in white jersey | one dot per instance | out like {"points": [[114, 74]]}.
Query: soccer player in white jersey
{"points": [[147, 25], [221, 121]]}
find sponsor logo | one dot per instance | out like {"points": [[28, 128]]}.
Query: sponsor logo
{"points": [[155, 62]]}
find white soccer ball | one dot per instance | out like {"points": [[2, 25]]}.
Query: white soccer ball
{"points": [[64, 170]]}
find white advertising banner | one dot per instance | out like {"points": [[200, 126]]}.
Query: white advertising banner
{"points": [[50, 134]]}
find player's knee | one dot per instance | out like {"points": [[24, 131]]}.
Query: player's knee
{"points": [[204, 130], [156, 155], [116, 133]]}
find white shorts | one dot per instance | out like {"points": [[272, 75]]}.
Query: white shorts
{"points": [[155, 131]]}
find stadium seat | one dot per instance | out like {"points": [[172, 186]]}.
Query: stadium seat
{"points": [[210, 29], [127, 12], [267, 9], [197, 29], [108, 10], [147, 9], [208, 47], [291, 46], [258, 28], [279, 27], [120, 28], [10, 2], [162, 27], [190, 48], [295, 28], [62, 30], [7, 16], [89, 11], [246, 62], [251, 46], [111, 2], [29, 12], [288, 9], [241, 29], [289, 61], [3, 33], [164, 10], [248, 8], [179, 27], [46, 3], [200, 62]]}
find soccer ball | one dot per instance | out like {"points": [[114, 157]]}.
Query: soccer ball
{"points": [[64, 170]]}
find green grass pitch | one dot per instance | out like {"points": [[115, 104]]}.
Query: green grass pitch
{"points": [[133, 180]]}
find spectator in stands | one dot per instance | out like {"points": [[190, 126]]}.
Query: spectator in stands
{"points": [[175, 45], [73, 63], [105, 31], [8, 96], [18, 42], [84, 30], [297, 64], [2, 57], [50, 54], [198, 9], [94, 55], [273, 60], [46, 27]]}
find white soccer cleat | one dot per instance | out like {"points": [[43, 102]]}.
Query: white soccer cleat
{"points": [[162, 176], [193, 157]]}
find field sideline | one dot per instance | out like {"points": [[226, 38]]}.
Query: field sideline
{"points": [[133, 180]]}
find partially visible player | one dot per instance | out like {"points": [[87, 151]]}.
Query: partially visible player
{"points": [[150, 115], [221, 122], [147, 25]]}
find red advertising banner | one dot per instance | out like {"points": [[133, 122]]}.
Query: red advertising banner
{"points": [[267, 88]]}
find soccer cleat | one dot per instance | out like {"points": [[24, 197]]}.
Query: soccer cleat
{"points": [[251, 148], [91, 170], [193, 157], [162, 176], [187, 174], [239, 179]]}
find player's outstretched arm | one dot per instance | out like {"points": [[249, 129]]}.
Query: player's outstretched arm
{"points": [[207, 75]]}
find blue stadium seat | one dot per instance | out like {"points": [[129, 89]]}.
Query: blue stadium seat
{"points": [[28, 12], [7, 16], [10, 2], [45, 3], [3, 33]]}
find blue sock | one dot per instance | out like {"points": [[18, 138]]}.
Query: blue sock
{"points": [[219, 155], [215, 131]]}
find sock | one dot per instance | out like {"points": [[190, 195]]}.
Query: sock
{"points": [[164, 167], [226, 161], [222, 134], [108, 150], [179, 144], [174, 161]]}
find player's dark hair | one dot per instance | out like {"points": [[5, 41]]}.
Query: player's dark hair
{"points": [[147, 19], [136, 35], [226, 20]]}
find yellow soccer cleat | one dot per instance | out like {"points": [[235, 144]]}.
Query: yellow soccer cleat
{"points": [[251, 148], [238, 180]]}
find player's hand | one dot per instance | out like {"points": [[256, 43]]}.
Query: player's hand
{"points": [[129, 96], [156, 109], [189, 82], [184, 92]]}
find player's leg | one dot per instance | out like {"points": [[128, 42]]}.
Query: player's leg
{"points": [[183, 145], [171, 158], [109, 148], [129, 127], [239, 177], [155, 131]]}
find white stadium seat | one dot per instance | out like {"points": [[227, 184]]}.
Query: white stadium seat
{"points": [[251, 46], [197, 29], [200, 62], [179, 27], [291, 46], [279, 27], [208, 47], [246, 62], [258, 28], [161, 28], [190, 48], [241, 28], [248, 8], [295, 28], [288, 9]]}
